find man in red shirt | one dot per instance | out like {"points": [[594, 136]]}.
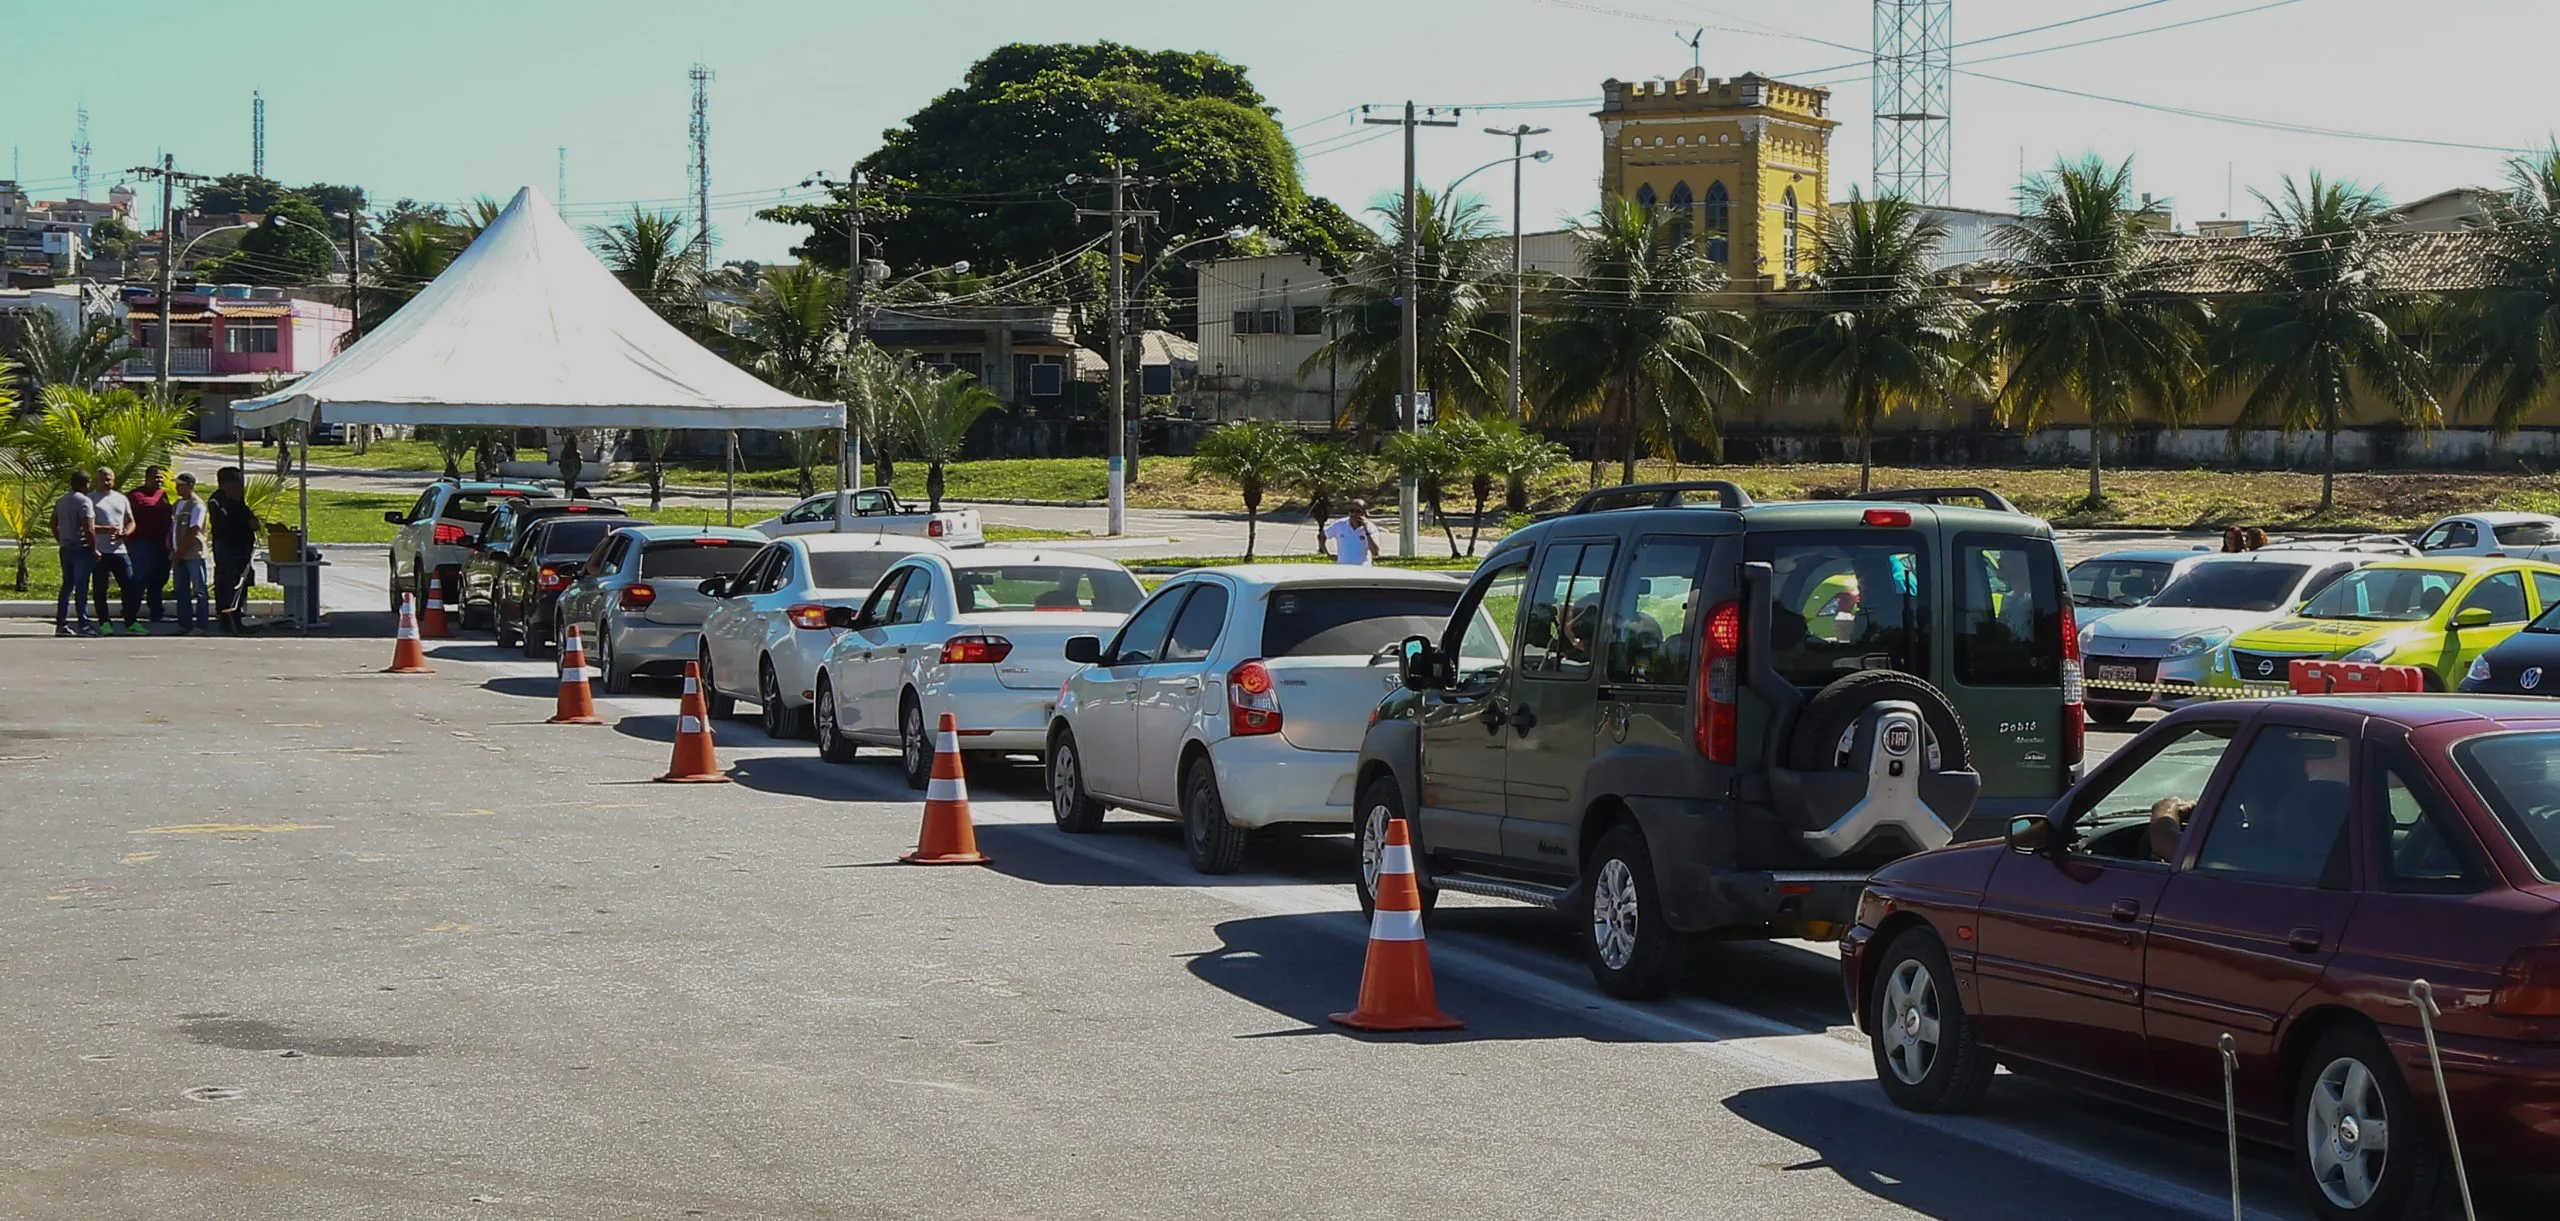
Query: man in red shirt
{"points": [[154, 515]]}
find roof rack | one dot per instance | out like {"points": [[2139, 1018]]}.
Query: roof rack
{"points": [[1985, 497], [2370, 544], [1729, 495]]}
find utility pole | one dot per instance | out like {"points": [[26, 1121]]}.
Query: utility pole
{"points": [[1519, 135], [1120, 214], [1408, 256], [167, 173], [355, 256], [849, 476]]}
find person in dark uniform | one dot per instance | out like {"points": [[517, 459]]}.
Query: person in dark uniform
{"points": [[235, 539]]}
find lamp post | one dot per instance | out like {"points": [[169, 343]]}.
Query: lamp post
{"points": [[1519, 135]]}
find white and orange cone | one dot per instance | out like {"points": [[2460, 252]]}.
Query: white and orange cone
{"points": [[577, 702], [694, 761], [433, 626], [1395, 983], [407, 655], [948, 837]]}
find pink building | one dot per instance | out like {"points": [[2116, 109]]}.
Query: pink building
{"points": [[227, 342]]}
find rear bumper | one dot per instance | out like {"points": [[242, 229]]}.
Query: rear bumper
{"points": [[992, 716], [1853, 971], [1691, 843], [2506, 1097], [1264, 781], [642, 645]]}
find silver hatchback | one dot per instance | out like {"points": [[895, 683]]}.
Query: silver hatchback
{"points": [[640, 603]]}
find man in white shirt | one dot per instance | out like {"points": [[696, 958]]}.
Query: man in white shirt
{"points": [[1354, 542], [114, 525]]}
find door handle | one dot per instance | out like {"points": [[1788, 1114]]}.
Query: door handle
{"points": [[1523, 719], [2304, 940], [2126, 911], [1493, 718], [1191, 684]]}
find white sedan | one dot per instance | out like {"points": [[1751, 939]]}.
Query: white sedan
{"points": [[769, 625], [981, 635], [2503, 534], [1236, 699]]}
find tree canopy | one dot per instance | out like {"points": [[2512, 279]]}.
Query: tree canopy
{"points": [[292, 247]]}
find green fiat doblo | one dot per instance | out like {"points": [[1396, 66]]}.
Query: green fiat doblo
{"points": [[1683, 713]]}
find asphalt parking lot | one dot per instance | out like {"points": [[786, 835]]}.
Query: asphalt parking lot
{"points": [[292, 938]]}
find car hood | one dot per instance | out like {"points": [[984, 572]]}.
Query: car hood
{"points": [[2321, 635], [2174, 622], [1955, 870]]}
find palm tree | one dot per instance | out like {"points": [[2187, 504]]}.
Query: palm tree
{"points": [[1875, 327], [25, 503], [477, 216], [938, 417], [791, 329], [877, 389], [56, 353], [2314, 324], [2082, 316], [1502, 450], [1428, 458], [1633, 338], [405, 261], [2503, 342], [1325, 472], [655, 257], [82, 430], [1253, 455], [1460, 360]]}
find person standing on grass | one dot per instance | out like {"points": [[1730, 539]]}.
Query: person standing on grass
{"points": [[234, 533], [153, 514], [187, 545], [114, 531], [75, 517], [1354, 541]]}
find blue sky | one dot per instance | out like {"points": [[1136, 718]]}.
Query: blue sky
{"points": [[471, 96]]}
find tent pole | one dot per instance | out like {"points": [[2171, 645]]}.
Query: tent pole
{"points": [[294, 613], [730, 513]]}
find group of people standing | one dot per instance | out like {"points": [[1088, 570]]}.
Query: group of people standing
{"points": [[143, 540]]}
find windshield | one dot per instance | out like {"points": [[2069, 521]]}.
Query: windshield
{"points": [[678, 559], [2117, 583], [2519, 775], [2383, 595], [478, 507], [2241, 585], [850, 569], [1046, 587], [578, 537]]}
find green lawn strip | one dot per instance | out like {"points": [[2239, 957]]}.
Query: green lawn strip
{"points": [[1424, 563], [44, 580]]}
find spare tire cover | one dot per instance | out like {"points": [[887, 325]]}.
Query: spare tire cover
{"points": [[1834, 711]]}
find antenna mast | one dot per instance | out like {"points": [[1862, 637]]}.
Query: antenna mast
{"points": [[1695, 37], [80, 150], [257, 133], [1915, 74], [562, 194], [699, 169]]}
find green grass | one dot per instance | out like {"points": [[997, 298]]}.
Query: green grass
{"points": [[44, 579], [1422, 563]]}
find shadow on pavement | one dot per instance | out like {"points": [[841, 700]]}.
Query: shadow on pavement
{"points": [[466, 650], [531, 686], [1273, 860]]}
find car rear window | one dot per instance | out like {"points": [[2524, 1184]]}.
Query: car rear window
{"points": [[1845, 600], [2519, 775], [1046, 587], [577, 537], [850, 569], [2008, 612], [477, 507], [1351, 621], [2116, 584], [2525, 533], [2245, 585], [676, 559]]}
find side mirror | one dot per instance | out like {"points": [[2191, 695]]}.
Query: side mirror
{"points": [[714, 586], [1418, 664], [1084, 650], [396, 517], [2030, 833], [843, 616], [2472, 616]]}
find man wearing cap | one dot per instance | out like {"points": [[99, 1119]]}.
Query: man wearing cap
{"points": [[187, 544]]}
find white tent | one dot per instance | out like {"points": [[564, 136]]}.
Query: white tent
{"points": [[526, 329]]}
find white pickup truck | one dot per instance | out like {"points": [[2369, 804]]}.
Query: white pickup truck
{"points": [[874, 511]]}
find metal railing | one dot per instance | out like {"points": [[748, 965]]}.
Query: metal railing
{"points": [[183, 362]]}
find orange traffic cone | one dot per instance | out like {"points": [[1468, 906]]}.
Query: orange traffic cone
{"points": [[577, 703], [1395, 984], [433, 626], [407, 655], [948, 838], [694, 762]]}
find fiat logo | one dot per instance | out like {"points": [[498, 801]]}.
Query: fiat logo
{"points": [[2531, 678], [1897, 739]]}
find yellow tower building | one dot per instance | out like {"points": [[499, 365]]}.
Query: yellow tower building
{"points": [[1747, 160]]}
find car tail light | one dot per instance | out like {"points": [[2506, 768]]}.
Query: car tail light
{"points": [[1886, 517], [638, 597], [975, 650], [450, 535], [933, 528], [1253, 701], [713, 542], [2531, 986], [808, 616], [551, 580], [2075, 709], [1719, 684]]}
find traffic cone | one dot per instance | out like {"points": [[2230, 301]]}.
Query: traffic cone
{"points": [[694, 762], [433, 626], [1395, 984], [948, 838], [577, 703], [407, 655]]}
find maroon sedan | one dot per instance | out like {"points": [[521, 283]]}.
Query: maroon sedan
{"points": [[2278, 871]]}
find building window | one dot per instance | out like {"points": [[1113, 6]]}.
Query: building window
{"points": [[1793, 220], [1243, 323], [1719, 222], [238, 338], [1681, 205], [1270, 324], [1307, 319], [1644, 197]]}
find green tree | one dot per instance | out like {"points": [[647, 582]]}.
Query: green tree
{"points": [[1633, 338], [1460, 360], [237, 193], [1324, 474], [2501, 344], [1429, 458], [877, 390], [26, 504], [659, 259], [1253, 455], [112, 238], [405, 260], [2081, 316], [1499, 450], [82, 430], [938, 418], [453, 444], [479, 214], [405, 211], [2314, 329], [1876, 327], [55, 353], [292, 247], [331, 197], [791, 329]]}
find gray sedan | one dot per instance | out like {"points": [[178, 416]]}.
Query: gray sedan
{"points": [[640, 604]]}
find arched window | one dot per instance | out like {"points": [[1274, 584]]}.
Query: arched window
{"points": [[1644, 197], [1793, 223], [1683, 205], [1719, 222]]}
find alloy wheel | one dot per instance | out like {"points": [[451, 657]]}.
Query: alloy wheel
{"points": [[1373, 845], [2349, 1133], [912, 744], [1063, 780], [1614, 914], [1909, 1022], [769, 696]]}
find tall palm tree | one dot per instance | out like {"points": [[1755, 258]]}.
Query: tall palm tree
{"points": [[877, 390], [2502, 343], [405, 261], [1253, 455], [938, 417], [2314, 327], [1429, 458], [791, 329], [2081, 316], [1459, 359], [1633, 338], [1324, 473], [58, 353], [477, 216], [660, 261], [1875, 327]]}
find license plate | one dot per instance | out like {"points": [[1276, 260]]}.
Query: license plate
{"points": [[2118, 674]]}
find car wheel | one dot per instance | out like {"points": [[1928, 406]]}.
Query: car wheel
{"points": [[780, 719], [716, 706], [915, 746], [1925, 1055], [533, 643], [1213, 844], [1382, 800], [2366, 1150], [2111, 714], [1074, 809], [617, 678], [391, 581], [1633, 954], [833, 746]]}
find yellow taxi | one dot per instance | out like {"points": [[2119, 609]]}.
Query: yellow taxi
{"points": [[2437, 614]]}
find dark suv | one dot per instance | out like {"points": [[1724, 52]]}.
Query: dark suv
{"points": [[1691, 716]]}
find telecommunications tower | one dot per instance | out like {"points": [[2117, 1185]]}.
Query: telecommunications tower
{"points": [[80, 150], [1915, 74], [698, 170], [257, 134]]}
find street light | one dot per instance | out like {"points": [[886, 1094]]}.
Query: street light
{"points": [[1518, 136]]}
